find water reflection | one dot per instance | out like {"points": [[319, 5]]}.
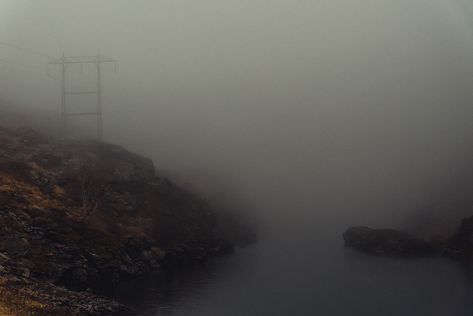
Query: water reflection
{"points": [[163, 292], [319, 277]]}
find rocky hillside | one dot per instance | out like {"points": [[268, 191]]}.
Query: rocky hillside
{"points": [[78, 216]]}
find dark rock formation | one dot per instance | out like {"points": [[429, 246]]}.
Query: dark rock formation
{"points": [[83, 215], [460, 246], [387, 242]]}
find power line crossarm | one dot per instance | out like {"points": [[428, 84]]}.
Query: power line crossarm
{"points": [[84, 61]]}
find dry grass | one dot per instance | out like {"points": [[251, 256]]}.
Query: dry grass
{"points": [[22, 305]]}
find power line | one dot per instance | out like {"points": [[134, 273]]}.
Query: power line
{"points": [[20, 67], [26, 50]]}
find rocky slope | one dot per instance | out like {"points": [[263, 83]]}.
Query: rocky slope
{"points": [[78, 216]]}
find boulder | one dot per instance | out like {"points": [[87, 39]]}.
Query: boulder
{"points": [[387, 242]]}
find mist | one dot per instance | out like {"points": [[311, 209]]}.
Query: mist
{"points": [[332, 112], [305, 117]]}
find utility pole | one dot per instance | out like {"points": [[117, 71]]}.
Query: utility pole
{"points": [[99, 97], [65, 93]]}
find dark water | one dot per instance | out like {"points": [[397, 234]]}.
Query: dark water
{"points": [[280, 276]]}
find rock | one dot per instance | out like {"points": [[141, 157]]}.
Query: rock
{"points": [[158, 252], [387, 242], [134, 246], [78, 278], [3, 257], [25, 272], [466, 228], [460, 246]]}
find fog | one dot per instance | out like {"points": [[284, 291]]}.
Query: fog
{"points": [[317, 112]]}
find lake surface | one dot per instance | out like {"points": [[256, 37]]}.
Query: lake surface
{"points": [[307, 276]]}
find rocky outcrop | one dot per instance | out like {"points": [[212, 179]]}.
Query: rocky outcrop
{"points": [[387, 242], [83, 215], [460, 246], [398, 243]]}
